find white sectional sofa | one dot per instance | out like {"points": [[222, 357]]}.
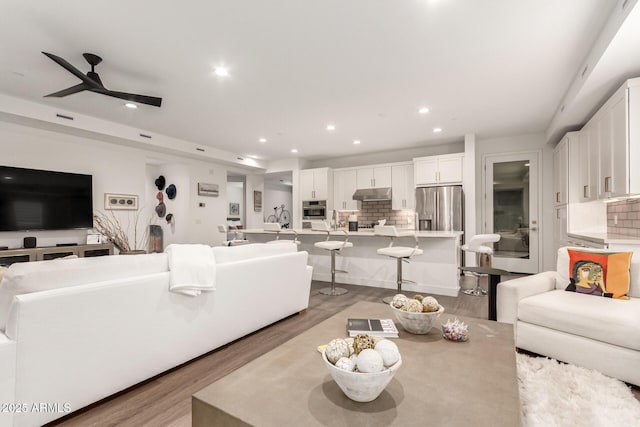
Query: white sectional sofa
{"points": [[594, 332], [104, 324]]}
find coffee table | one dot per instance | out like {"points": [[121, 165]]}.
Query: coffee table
{"points": [[440, 383]]}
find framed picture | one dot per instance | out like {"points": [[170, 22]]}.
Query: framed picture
{"points": [[257, 201], [210, 190], [234, 209], [120, 202]]}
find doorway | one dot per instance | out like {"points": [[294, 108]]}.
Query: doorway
{"points": [[511, 209], [278, 198]]}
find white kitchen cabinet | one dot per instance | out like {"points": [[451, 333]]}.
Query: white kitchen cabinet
{"points": [[561, 170], [315, 184], [618, 142], [374, 177], [560, 228], [344, 185], [583, 164], [438, 170], [402, 188]]}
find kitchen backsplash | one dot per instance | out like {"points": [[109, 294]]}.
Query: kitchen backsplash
{"points": [[371, 212], [628, 213]]}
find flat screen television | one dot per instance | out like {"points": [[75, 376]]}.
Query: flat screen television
{"points": [[33, 199]]}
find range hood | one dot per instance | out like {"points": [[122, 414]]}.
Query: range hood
{"points": [[372, 194]]}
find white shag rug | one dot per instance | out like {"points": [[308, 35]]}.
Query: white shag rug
{"points": [[558, 395]]}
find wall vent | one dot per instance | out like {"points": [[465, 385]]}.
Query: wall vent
{"points": [[624, 4], [239, 158], [144, 135], [62, 116], [200, 149], [584, 71]]}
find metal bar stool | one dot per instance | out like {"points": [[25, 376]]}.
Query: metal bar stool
{"points": [[335, 246], [482, 245], [275, 228], [400, 253]]}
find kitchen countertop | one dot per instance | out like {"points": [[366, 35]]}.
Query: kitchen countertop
{"points": [[606, 238], [361, 233]]}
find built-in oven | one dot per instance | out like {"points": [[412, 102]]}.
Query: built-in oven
{"points": [[313, 210]]}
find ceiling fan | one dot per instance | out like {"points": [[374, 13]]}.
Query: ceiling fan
{"points": [[91, 82]]}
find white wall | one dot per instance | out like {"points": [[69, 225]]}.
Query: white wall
{"points": [[515, 144], [277, 195], [235, 194], [123, 170], [253, 218], [387, 156]]}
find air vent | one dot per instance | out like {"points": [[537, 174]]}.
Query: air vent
{"points": [[562, 108], [239, 158], [62, 116], [586, 67], [624, 4], [200, 149], [144, 135]]}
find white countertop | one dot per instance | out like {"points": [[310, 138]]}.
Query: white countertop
{"points": [[606, 238], [362, 233]]}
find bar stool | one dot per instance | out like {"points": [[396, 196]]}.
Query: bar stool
{"points": [[400, 253], [479, 245], [335, 246], [275, 228], [233, 241]]}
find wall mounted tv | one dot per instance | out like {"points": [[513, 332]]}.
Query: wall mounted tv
{"points": [[44, 200]]}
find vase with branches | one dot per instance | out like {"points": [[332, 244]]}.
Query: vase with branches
{"points": [[110, 226]]}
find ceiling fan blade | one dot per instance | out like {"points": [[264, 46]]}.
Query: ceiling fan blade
{"points": [[73, 70], [69, 91], [142, 99]]}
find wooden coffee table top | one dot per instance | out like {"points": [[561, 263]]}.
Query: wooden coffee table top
{"points": [[440, 383]]}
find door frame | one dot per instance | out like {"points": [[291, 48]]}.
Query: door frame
{"points": [[531, 265]]}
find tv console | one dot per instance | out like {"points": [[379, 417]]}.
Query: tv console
{"points": [[8, 257]]}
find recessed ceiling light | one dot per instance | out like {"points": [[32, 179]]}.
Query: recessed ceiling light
{"points": [[356, 142], [263, 140], [437, 130], [423, 110], [221, 71], [293, 150], [331, 127], [131, 105]]}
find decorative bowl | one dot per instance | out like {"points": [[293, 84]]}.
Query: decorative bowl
{"points": [[417, 323], [361, 386], [455, 331]]}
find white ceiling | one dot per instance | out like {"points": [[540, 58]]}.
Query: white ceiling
{"points": [[491, 67]]}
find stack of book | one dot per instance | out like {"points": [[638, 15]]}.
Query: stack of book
{"points": [[378, 327]]}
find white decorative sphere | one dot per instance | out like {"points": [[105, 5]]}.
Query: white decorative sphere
{"points": [[430, 304], [412, 306], [350, 342], [336, 349], [369, 361], [399, 300], [389, 352], [346, 364]]}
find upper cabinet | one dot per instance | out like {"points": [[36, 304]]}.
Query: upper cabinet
{"points": [[344, 185], [561, 170], [614, 134], [402, 190], [374, 177], [583, 164], [438, 170], [315, 184]]}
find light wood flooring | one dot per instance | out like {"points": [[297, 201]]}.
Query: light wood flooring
{"points": [[165, 400]]}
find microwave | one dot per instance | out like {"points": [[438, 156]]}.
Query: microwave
{"points": [[314, 210]]}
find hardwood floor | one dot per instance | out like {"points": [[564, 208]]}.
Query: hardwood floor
{"points": [[165, 400]]}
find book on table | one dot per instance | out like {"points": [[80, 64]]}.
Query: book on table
{"points": [[379, 327]]}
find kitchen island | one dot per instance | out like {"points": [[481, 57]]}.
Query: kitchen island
{"points": [[435, 271]]}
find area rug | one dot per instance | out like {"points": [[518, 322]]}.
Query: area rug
{"points": [[554, 394]]}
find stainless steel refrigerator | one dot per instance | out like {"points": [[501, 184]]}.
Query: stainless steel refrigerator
{"points": [[440, 208]]}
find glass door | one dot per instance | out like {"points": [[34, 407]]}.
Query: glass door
{"points": [[511, 210]]}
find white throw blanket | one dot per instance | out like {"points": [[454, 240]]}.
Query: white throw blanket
{"points": [[192, 269]]}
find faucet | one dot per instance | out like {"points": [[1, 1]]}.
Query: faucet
{"points": [[334, 219]]}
